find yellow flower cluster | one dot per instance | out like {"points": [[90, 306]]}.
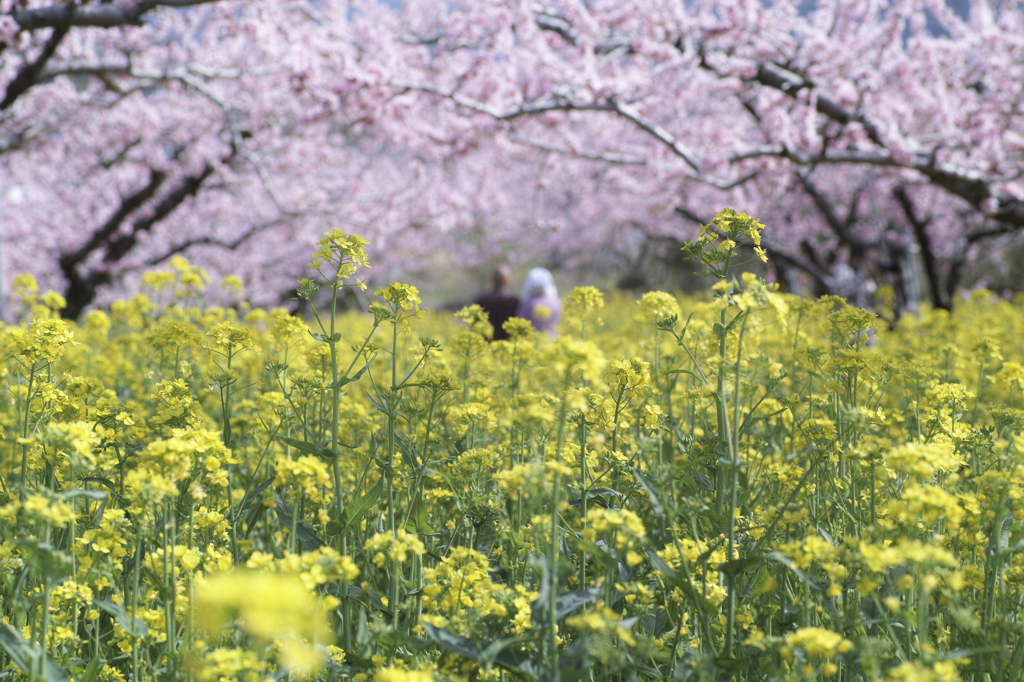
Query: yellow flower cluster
{"points": [[461, 582], [815, 641], [397, 547]]}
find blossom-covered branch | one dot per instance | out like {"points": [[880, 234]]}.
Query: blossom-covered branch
{"points": [[98, 15]]}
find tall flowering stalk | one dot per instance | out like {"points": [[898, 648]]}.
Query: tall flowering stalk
{"points": [[337, 260], [401, 302], [715, 247]]}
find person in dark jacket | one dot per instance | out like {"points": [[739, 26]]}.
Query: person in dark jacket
{"points": [[500, 303]]}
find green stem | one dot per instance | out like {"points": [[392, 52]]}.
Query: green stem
{"points": [[553, 545], [731, 582], [135, 601], [615, 429], [977, 397], [24, 434], [584, 491], [720, 409], [339, 500], [392, 408]]}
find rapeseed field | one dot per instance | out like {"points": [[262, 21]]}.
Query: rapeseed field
{"points": [[742, 485]]}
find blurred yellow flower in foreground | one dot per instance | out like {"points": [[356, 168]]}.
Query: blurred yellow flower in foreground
{"points": [[270, 608]]}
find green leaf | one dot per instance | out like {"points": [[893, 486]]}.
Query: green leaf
{"points": [[92, 494], [307, 538], [311, 448], [460, 645], [254, 517], [301, 445], [683, 371], [1004, 532], [575, 662], [660, 565], [1017, 662], [598, 495], [251, 496], [492, 651], [513, 536], [355, 377], [651, 492], [376, 602], [600, 552], [736, 320], [135, 627], [761, 583], [732, 665], [27, 656], [356, 509], [409, 452], [418, 517], [51, 563], [737, 565], [394, 639], [92, 671], [567, 602], [704, 482], [102, 481]]}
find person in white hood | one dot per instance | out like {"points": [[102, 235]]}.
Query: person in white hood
{"points": [[540, 303]]}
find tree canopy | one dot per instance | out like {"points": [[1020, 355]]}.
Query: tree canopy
{"points": [[571, 131]]}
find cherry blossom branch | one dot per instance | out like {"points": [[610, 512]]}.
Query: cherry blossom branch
{"points": [[82, 289], [792, 260], [15, 141], [211, 241], [555, 103], [920, 229], [268, 185], [775, 76], [668, 139], [28, 75], [539, 107], [768, 74], [97, 15], [726, 185], [608, 157], [129, 205], [974, 237], [969, 185], [188, 187], [964, 183], [547, 20], [839, 227], [184, 75]]}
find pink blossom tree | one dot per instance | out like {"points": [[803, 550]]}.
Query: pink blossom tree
{"points": [[570, 131], [856, 124], [138, 131]]}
